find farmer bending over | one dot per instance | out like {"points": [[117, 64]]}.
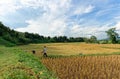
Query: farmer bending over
{"points": [[44, 51]]}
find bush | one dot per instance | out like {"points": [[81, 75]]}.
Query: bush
{"points": [[103, 42]]}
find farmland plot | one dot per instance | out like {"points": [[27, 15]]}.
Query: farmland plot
{"points": [[86, 67], [73, 48]]}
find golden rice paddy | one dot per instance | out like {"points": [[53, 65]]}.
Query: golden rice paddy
{"points": [[73, 48], [85, 67], [80, 67]]}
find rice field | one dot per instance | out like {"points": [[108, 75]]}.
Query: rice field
{"points": [[73, 48], [81, 65], [86, 67]]}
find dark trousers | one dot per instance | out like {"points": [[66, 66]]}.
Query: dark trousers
{"points": [[45, 54]]}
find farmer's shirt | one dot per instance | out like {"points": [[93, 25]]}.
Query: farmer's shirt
{"points": [[44, 50]]}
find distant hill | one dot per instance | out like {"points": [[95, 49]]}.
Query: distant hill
{"points": [[10, 37]]}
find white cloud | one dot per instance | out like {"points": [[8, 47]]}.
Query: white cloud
{"points": [[117, 17], [117, 26], [32, 3], [7, 7], [55, 19], [52, 22], [45, 26], [99, 32], [83, 9]]}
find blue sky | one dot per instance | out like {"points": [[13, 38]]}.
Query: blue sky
{"points": [[61, 17]]}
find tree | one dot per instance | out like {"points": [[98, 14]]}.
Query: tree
{"points": [[86, 40], [112, 35], [93, 39]]}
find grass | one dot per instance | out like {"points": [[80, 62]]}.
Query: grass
{"points": [[16, 64], [6, 43]]}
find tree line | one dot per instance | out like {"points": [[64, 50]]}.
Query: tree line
{"points": [[20, 38]]}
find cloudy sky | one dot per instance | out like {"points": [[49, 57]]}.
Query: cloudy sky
{"points": [[61, 17]]}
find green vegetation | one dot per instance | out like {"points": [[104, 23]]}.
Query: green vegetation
{"points": [[112, 35], [6, 43], [16, 64], [9, 37], [92, 39], [13, 37]]}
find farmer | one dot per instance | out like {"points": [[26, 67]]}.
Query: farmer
{"points": [[44, 51]]}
